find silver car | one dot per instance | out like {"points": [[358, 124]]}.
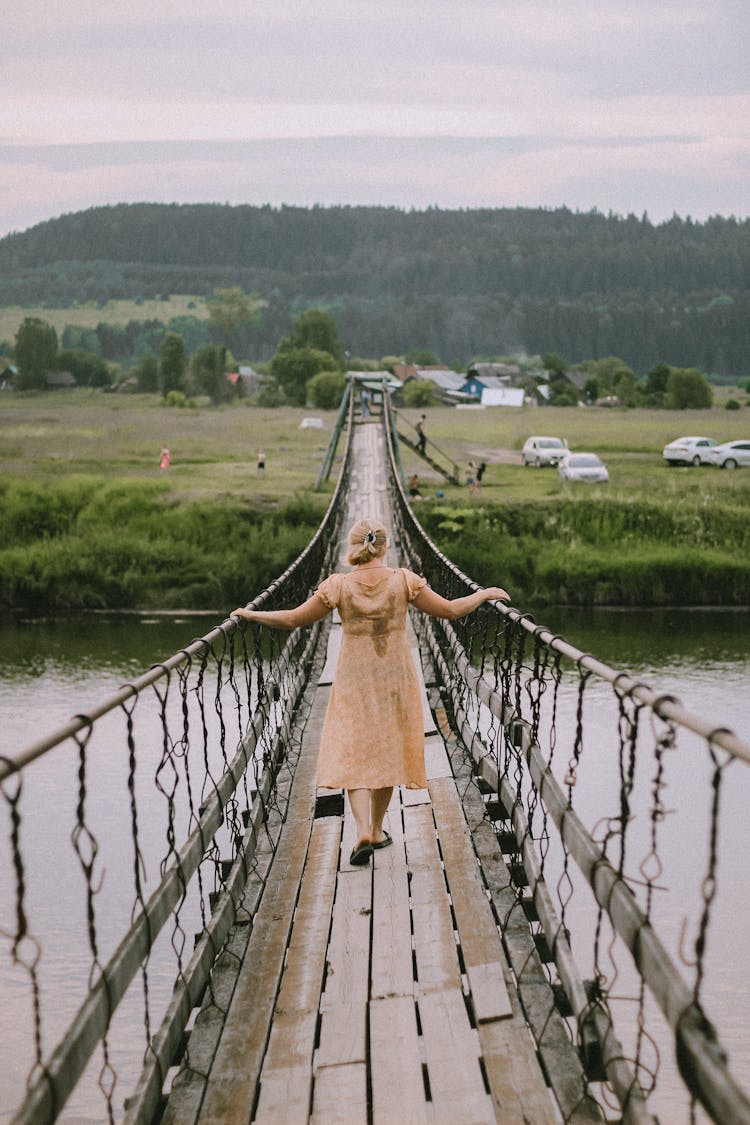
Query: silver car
{"points": [[689, 451], [731, 454], [582, 466], [540, 451]]}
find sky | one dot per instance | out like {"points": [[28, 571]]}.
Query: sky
{"points": [[619, 105]]}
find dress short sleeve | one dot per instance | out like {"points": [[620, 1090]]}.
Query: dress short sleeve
{"points": [[414, 583], [329, 590]]}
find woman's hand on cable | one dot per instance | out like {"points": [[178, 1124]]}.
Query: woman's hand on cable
{"points": [[496, 593], [248, 614]]}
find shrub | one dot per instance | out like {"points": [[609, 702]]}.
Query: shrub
{"points": [[326, 389], [175, 398], [418, 392], [732, 404]]}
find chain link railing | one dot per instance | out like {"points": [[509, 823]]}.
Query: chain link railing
{"points": [[585, 875], [192, 763]]}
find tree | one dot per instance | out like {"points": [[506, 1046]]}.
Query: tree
{"points": [[554, 363], [294, 367], [315, 329], [688, 389], [419, 392], [325, 389], [627, 388], [229, 308], [172, 363], [422, 357], [592, 389], [208, 372], [89, 370], [147, 374], [561, 392], [656, 383], [35, 352]]}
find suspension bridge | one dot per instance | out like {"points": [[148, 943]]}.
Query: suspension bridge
{"points": [[502, 961]]}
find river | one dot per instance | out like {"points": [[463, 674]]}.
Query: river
{"points": [[51, 668]]}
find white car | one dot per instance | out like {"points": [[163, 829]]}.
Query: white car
{"points": [[689, 451], [540, 451], [731, 454], [582, 466]]}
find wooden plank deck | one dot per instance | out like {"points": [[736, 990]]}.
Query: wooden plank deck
{"points": [[377, 994]]}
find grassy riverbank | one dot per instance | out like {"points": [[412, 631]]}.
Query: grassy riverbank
{"points": [[600, 550], [86, 518]]}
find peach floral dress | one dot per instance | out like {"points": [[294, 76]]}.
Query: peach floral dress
{"points": [[373, 734]]}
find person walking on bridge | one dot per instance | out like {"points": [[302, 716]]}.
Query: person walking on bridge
{"points": [[421, 435], [373, 733]]}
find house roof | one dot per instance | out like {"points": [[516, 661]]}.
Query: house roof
{"points": [[482, 370], [444, 378]]}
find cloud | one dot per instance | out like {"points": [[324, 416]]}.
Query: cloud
{"points": [[568, 84]]}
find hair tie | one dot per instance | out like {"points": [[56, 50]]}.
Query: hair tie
{"points": [[369, 541]]}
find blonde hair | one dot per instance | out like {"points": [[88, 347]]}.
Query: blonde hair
{"points": [[367, 540]]}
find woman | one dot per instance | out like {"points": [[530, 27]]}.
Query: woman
{"points": [[373, 734]]}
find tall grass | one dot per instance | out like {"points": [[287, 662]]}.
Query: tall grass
{"points": [[83, 544], [602, 551]]}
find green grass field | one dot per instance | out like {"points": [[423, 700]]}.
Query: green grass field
{"points": [[111, 312], [87, 516]]}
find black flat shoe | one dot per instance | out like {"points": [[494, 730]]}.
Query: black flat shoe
{"points": [[386, 843], [361, 855]]}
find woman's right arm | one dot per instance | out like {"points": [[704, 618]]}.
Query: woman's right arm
{"points": [[436, 606], [314, 609]]}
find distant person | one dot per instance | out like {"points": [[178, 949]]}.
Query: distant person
{"points": [[364, 402], [373, 733], [165, 458], [414, 487], [471, 479], [480, 471], [421, 436], [261, 463]]}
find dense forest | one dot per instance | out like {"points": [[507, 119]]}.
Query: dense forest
{"points": [[465, 284]]}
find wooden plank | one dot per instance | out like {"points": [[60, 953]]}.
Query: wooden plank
{"points": [[340, 1095], [452, 1052], [392, 971], [437, 763], [427, 716], [414, 796], [232, 1084], [285, 1096], [559, 1054], [343, 1005], [519, 1092], [477, 929], [335, 637], [305, 961], [286, 1077], [398, 1093], [434, 941]]}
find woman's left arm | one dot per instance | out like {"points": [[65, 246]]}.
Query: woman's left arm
{"points": [[314, 609], [436, 606]]}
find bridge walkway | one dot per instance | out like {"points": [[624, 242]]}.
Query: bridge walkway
{"points": [[378, 994]]}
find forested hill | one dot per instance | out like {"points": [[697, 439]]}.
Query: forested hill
{"points": [[464, 283]]}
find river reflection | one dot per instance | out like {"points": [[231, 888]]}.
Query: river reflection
{"points": [[52, 668]]}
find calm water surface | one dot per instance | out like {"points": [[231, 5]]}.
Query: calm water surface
{"points": [[53, 668]]}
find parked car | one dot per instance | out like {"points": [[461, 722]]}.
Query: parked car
{"points": [[731, 454], [689, 451], [540, 451], [582, 466]]}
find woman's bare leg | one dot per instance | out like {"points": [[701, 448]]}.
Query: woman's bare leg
{"points": [[359, 800], [379, 802]]}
